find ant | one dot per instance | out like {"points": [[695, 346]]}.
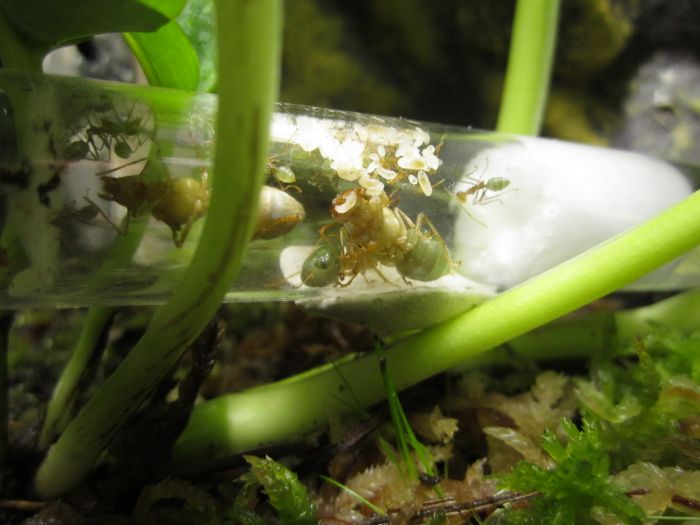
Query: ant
{"points": [[371, 233], [176, 202], [112, 132]]}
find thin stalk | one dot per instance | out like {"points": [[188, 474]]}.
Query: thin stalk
{"points": [[235, 423], [5, 324], [530, 59], [249, 51], [367, 503]]}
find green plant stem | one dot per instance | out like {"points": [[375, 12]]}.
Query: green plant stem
{"points": [[75, 374], [530, 59], [681, 312], [249, 51], [161, 72], [236, 422]]}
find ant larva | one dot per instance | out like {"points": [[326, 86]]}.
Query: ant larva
{"points": [[371, 232]]}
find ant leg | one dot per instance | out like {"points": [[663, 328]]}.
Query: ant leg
{"points": [[131, 163], [120, 231], [383, 277], [423, 219]]}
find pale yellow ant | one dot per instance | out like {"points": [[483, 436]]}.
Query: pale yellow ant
{"points": [[480, 189], [176, 202]]}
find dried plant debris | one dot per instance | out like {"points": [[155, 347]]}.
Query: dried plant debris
{"points": [[514, 424], [620, 445]]}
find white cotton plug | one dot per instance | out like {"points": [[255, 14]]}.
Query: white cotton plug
{"points": [[562, 199]]}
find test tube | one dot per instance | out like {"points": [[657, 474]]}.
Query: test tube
{"points": [[106, 188]]}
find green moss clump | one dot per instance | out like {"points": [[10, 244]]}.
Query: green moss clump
{"points": [[325, 64]]}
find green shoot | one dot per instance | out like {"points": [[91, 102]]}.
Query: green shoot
{"points": [[354, 494], [76, 373], [405, 436], [284, 490], [529, 67], [388, 450]]}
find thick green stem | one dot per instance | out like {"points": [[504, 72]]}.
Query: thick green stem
{"points": [[235, 423], [75, 375], [530, 59], [248, 50], [61, 408]]}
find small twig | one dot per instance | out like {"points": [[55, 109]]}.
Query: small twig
{"points": [[689, 503], [472, 506], [22, 505]]}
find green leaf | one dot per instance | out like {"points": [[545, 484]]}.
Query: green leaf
{"points": [[166, 57], [197, 21], [284, 490], [56, 22]]}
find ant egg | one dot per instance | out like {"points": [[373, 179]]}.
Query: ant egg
{"points": [[424, 183]]}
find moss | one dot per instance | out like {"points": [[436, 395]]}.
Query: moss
{"points": [[325, 64], [593, 33], [569, 117]]}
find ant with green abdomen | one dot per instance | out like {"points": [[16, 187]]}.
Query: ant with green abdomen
{"points": [[371, 232], [112, 132], [481, 187], [176, 202]]}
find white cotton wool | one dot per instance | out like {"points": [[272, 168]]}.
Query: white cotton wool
{"points": [[562, 200]]}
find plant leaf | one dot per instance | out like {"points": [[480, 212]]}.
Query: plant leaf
{"points": [[197, 22], [286, 493], [54, 22], [166, 57]]}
